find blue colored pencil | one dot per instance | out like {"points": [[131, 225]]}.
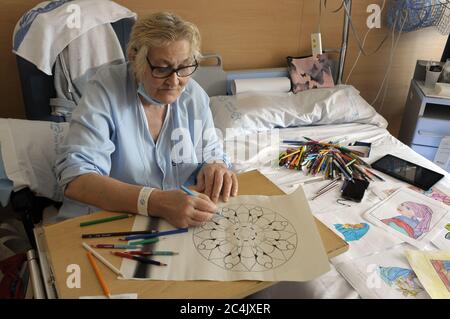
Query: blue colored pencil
{"points": [[191, 193], [293, 142], [342, 170], [188, 191], [161, 233]]}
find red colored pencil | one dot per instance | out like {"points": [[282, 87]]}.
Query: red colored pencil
{"points": [[139, 258]]}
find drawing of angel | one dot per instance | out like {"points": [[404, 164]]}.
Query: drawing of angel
{"points": [[352, 232], [413, 221], [405, 280]]}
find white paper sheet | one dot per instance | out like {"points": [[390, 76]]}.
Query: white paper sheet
{"points": [[442, 239], [362, 237], [386, 275], [328, 286], [268, 238]]}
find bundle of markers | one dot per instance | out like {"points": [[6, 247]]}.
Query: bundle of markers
{"points": [[333, 160]]}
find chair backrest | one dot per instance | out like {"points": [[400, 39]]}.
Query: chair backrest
{"points": [[38, 87]]}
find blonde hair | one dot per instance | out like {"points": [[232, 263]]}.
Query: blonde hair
{"points": [[158, 30]]}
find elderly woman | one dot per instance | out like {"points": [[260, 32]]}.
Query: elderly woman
{"points": [[143, 129]]}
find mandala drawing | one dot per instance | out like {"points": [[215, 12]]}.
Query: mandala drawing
{"points": [[246, 237]]}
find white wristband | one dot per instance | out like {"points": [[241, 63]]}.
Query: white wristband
{"points": [[142, 202]]}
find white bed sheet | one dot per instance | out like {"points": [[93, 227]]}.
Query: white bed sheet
{"points": [[332, 284]]}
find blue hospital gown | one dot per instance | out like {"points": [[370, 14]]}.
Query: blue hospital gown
{"points": [[109, 135]]}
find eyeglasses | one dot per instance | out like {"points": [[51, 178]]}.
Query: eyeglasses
{"points": [[162, 72]]}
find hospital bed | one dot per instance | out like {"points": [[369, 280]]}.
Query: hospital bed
{"points": [[340, 127]]}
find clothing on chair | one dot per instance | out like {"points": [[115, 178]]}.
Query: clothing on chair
{"points": [[46, 30], [72, 72], [72, 37]]}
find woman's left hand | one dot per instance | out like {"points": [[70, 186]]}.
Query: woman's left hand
{"points": [[214, 179]]}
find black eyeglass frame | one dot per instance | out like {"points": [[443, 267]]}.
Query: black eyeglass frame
{"points": [[153, 67]]}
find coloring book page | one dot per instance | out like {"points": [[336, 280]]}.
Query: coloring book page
{"points": [[267, 238], [386, 275], [363, 238], [440, 194], [442, 240], [411, 216], [433, 270]]}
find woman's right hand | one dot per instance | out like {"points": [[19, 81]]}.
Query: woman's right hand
{"points": [[179, 209]]}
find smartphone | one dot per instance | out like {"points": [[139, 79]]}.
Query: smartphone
{"points": [[354, 190], [406, 171]]}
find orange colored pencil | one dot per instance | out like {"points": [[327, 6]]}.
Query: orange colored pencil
{"points": [[98, 274]]}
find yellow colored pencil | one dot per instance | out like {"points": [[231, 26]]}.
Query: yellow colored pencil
{"points": [[290, 154]]}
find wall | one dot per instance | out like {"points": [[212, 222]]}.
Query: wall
{"points": [[260, 34]]}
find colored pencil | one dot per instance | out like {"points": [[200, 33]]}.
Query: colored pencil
{"points": [[378, 177], [140, 259], [145, 241], [191, 193], [102, 259], [115, 246], [328, 185], [158, 234], [99, 275], [362, 172], [324, 192], [350, 163], [313, 180], [124, 233], [342, 170], [105, 220], [152, 253], [290, 154], [188, 191]]}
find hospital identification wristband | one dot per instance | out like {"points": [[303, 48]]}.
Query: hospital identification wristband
{"points": [[142, 202]]}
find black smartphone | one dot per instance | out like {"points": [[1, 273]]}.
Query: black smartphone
{"points": [[406, 171], [354, 190]]}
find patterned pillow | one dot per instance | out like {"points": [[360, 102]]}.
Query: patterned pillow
{"points": [[310, 72]]}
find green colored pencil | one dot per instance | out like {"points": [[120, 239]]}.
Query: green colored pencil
{"points": [[104, 220], [145, 241]]}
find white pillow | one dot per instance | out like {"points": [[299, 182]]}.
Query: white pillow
{"points": [[252, 112], [28, 150]]}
